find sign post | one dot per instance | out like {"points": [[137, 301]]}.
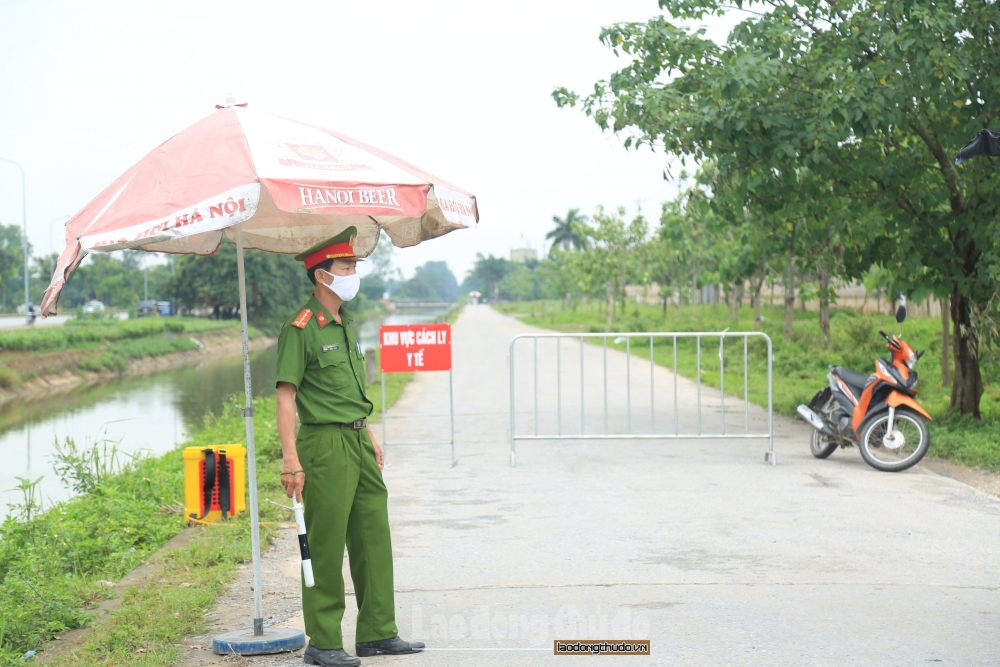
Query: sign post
{"points": [[409, 348]]}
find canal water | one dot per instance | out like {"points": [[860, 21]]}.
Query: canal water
{"points": [[150, 413]]}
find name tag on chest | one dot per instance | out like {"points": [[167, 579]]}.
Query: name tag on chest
{"points": [[331, 347]]}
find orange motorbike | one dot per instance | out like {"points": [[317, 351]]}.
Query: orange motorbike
{"points": [[879, 412]]}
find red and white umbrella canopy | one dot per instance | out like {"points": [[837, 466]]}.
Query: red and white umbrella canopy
{"points": [[290, 184]]}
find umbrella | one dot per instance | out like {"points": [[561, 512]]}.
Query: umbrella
{"points": [[267, 183], [987, 142]]}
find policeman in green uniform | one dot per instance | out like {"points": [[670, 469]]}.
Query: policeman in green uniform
{"points": [[334, 464]]}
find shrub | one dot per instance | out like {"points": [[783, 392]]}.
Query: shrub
{"points": [[7, 377]]}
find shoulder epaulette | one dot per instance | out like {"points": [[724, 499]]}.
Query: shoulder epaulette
{"points": [[303, 319]]}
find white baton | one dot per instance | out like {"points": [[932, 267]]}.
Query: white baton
{"points": [[307, 566]]}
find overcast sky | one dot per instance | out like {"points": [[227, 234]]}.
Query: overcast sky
{"points": [[460, 89]]}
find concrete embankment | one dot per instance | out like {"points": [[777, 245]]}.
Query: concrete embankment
{"points": [[47, 373]]}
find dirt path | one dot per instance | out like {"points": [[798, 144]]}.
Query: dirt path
{"points": [[699, 546]]}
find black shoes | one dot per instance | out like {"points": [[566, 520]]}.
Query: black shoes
{"points": [[331, 658], [394, 646]]}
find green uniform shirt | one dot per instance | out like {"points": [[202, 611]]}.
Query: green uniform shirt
{"points": [[324, 362]]}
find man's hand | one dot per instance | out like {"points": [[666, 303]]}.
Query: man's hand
{"points": [[294, 483], [379, 455]]}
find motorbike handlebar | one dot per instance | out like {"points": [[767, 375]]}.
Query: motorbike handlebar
{"points": [[884, 334]]}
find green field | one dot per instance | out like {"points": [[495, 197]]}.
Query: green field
{"points": [[800, 365]]}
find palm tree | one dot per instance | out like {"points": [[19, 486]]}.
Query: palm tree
{"points": [[573, 231]]}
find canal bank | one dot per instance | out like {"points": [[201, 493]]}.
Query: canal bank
{"points": [[151, 407], [43, 374]]}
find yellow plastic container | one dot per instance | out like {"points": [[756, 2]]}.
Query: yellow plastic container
{"points": [[194, 481]]}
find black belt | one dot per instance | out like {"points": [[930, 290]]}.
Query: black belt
{"points": [[356, 425]]}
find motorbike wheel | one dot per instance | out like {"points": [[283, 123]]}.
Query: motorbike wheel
{"points": [[909, 427], [822, 445]]}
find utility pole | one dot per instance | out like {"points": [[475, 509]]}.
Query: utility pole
{"points": [[24, 238]]}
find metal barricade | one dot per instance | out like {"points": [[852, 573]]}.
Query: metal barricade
{"points": [[627, 338]]}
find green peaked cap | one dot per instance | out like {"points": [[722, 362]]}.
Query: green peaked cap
{"points": [[345, 239]]}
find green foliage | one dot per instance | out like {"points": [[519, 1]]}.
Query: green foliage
{"points": [[433, 281], [276, 284], [572, 232], [11, 263], [52, 563], [87, 333], [831, 128], [7, 378], [85, 470], [486, 275], [116, 279], [518, 284]]}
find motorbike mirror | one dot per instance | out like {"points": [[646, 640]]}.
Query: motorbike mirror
{"points": [[901, 314]]}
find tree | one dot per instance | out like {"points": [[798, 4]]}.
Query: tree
{"points": [[518, 284], [433, 281], [872, 98], [276, 284], [571, 232], [11, 260], [487, 273], [614, 259]]}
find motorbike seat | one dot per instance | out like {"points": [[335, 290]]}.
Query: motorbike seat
{"points": [[854, 379]]}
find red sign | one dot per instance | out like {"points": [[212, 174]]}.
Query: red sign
{"points": [[414, 347]]}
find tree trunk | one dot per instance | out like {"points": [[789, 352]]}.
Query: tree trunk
{"points": [[694, 292], [967, 386], [945, 343], [790, 290], [607, 306], [756, 297], [824, 300]]}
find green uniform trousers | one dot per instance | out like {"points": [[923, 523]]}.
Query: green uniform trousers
{"points": [[345, 502]]}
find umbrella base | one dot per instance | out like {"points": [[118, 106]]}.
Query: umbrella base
{"points": [[245, 642]]}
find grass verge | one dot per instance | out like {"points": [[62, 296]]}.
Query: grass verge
{"points": [[77, 334], [55, 565], [800, 364]]}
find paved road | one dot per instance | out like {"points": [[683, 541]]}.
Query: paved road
{"points": [[699, 546], [12, 321]]}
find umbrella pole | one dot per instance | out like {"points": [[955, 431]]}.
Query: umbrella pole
{"points": [[257, 641], [258, 597]]}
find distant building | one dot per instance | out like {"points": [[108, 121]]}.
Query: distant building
{"points": [[522, 255]]}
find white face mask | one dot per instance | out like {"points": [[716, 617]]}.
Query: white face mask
{"points": [[346, 287]]}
